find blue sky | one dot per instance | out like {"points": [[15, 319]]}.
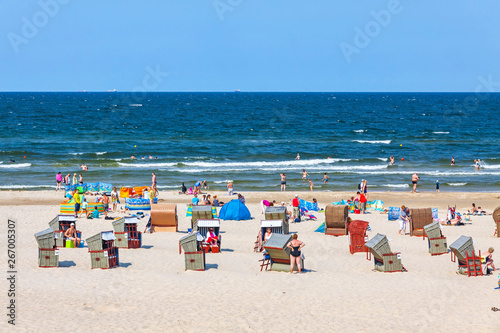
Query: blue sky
{"points": [[252, 45]]}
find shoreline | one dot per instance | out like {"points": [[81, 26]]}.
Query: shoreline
{"points": [[441, 200]]}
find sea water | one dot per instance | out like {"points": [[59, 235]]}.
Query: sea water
{"points": [[250, 138]]}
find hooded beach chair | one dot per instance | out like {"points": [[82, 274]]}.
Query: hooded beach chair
{"points": [[419, 217], [336, 220], [496, 219], [357, 236], [164, 218], [468, 262], [203, 228], [277, 226], [126, 233], [435, 238], [194, 256], [48, 254], [383, 258], [279, 253], [102, 249]]}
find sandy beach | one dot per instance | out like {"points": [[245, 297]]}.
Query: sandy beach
{"points": [[150, 291]]}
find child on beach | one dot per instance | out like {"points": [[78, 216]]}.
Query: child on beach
{"points": [[437, 185], [488, 259]]}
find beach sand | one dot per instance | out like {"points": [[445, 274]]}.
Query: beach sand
{"points": [[151, 292]]}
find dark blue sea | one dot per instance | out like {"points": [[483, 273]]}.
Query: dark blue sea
{"points": [[251, 138]]}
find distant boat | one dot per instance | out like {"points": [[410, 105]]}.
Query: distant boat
{"points": [[237, 90], [114, 90]]}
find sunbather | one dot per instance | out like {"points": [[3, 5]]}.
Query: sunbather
{"points": [[211, 237], [268, 234], [72, 235]]}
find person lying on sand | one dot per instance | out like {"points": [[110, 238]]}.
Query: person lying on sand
{"points": [[452, 222]]}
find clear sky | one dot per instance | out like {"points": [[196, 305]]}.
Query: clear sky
{"points": [[252, 45]]}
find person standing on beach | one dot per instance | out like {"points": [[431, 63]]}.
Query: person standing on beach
{"points": [[114, 198], [80, 179], [67, 179], [78, 201], [296, 208], [403, 219], [452, 161], [295, 255], [414, 179], [58, 181], [437, 185], [153, 186], [283, 182], [229, 188], [311, 184], [362, 202]]}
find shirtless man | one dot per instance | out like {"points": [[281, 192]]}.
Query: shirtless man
{"points": [[229, 188], [153, 180], [391, 160], [84, 167], [283, 181], [72, 235], [105, 203], [414, 179]]}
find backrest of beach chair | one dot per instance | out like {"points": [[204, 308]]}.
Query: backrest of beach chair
{"points": [[277, 248], [204, 225], [379, 245], [433, 230], [496, 214], [336, 216], [46, 238], [277, 227], [461, 246]]}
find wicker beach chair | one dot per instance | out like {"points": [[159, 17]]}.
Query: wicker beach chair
{"points": [[496, 218], [277, 213], [384, 259], [202, 213], [279, 253], [126, 233], [164, 218], [336, 220], [60, 224], [202, 227], [357, 236], [435, 238], [468, 262], [102, 249], [194, 257], [48, 255], [419, 217], [277, 227]]}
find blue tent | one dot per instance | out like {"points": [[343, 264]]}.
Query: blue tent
{"points": [[234, 210]]}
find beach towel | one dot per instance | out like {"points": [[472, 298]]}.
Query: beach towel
{"points": [[342, 202], [308, 205], [435, 214], [393, 213], [377, 205], [321, 228]]}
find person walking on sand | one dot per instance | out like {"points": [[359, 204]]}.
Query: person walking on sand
{"points": [[295, 254], [283, 182], [58, 181], [304, 174], [414, 180], [311, 184], [230, 188]]}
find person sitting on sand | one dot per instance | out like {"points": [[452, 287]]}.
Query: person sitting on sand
{"points": [[195, 200], [208, 202], [211, 237], [295, 255], [190, 191], [488, 259], [267, 235], [72, 235], [403, 219], [215, 203], [474, 209], [241, 198]]}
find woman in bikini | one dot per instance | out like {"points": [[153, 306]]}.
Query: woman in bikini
{"points": [[295, 255], [267, 235]]}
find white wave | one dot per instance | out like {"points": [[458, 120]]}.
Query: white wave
{"points": [[427, 173], [168, 186], [101, 153], [15, 165], [222, 181], [359, 131], [490, 166], [373, 141], [25, 186], [295, 163], [441, 132], [280, 169], [385, 159], [76, 153], [457, 184], [396, 185], [147, 165], [135, 105]]}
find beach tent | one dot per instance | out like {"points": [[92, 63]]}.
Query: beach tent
{"points": [[234, 210]]}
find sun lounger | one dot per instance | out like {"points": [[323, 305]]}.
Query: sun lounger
{"points": [[336, 220], [384, 259]]}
